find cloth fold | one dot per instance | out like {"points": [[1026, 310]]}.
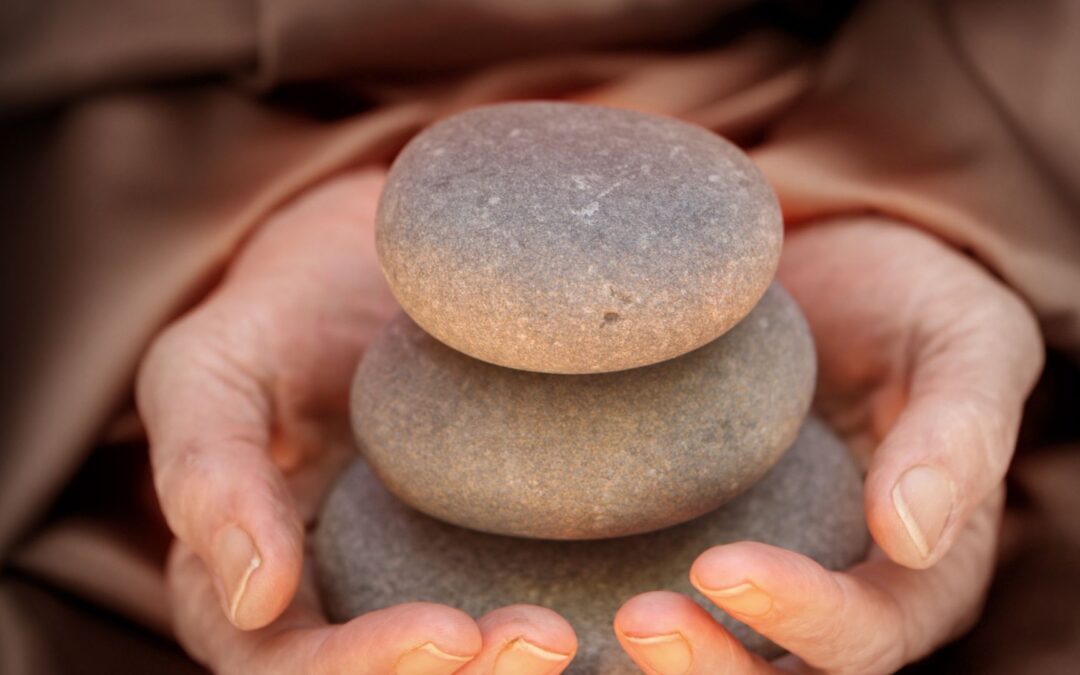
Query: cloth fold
{"points": [[145, 142]]}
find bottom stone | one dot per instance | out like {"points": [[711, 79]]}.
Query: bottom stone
{"points": [[372, 551]]}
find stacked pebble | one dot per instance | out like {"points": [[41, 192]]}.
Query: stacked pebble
{"points": [[592, 347]]}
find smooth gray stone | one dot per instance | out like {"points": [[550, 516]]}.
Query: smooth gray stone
{"points": [[583, 456], [372, 551], [570, 238]]}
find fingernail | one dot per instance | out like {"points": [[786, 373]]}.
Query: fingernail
{"points": [[522, 657], [666, 654], [745, 599], [427, 659], [923, 498], [235, 560]]}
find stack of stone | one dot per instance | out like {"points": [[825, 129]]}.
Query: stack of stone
{"points": [[594, 380]]}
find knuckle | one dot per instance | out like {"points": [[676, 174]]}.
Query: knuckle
{"points": [[972, 430], [181, 478], [873, 646], [878, 654], [984, 429]]}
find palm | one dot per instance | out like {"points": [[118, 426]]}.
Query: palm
{"points": [[923, 359], [907, 329], [860, 291], [318, 297], [246, 400], [924, 362]]}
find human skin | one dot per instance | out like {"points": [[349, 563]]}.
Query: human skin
{"points": [[925, 361]]}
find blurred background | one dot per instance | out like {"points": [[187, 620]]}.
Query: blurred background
{"points": [[143, 141]]}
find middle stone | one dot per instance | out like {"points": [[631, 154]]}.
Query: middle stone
{"points": [[584, 456]]}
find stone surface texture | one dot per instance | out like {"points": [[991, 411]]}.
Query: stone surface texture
{"points": [[372, 551], [569, 238], [583, 456]]}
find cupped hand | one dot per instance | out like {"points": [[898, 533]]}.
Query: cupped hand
{"points": [[925, 361], [245, 403]]}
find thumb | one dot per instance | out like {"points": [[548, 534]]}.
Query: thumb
{"points": [[975, 352], [208, 417]]}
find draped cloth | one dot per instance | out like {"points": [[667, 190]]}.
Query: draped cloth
{"points": [[144, 141]]}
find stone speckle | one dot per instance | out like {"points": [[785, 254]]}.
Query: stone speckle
{"points": [[511, 232], [372, 551], [583, 456]]}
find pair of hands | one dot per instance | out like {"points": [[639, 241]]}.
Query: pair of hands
{"points": [[925, 361]]}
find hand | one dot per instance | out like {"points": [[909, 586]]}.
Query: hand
{"points": [[924, 364], [245, 400]]}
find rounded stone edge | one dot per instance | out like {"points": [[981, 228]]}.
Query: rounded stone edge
{"points": [[574, 363], [512, 516], [601, 654]]}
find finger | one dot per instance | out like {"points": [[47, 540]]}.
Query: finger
{"points": [[208, 423], [949, 449], [412, 639], [944, 354], [874, 619], [669, 634], [830, 620], [523, 640]]}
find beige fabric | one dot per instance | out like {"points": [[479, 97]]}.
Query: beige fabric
{"points": [[914, 124], [144, 142]]}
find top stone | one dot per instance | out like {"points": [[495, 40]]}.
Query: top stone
{"points": [[569, 238]]}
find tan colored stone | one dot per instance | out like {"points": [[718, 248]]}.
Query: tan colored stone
{"points": [[372, 551], [569, 238], [583, 456]]}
